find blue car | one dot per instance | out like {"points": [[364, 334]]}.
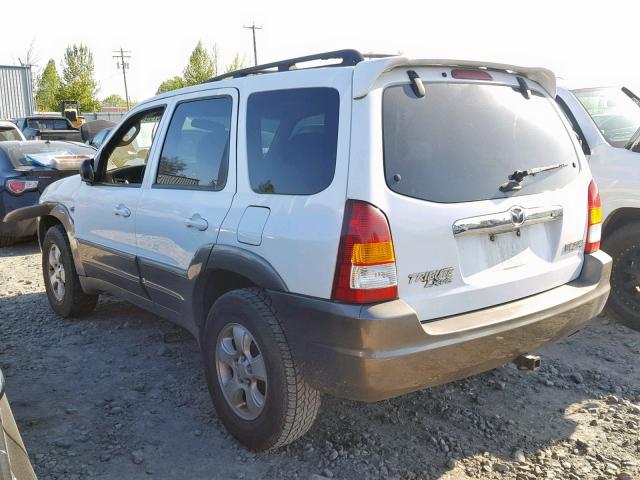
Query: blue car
{"points": [[26, 169]]}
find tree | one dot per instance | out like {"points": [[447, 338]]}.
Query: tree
{"points": [[202, 65], [47, 92], [171, 84], [78, 82], [236, 64], [114, 100]]}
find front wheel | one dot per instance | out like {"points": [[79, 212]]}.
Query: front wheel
{"points": [[624, 301], [258, 391], [60, 277]]}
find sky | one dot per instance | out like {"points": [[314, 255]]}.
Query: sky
{"points": [[585, 43]]}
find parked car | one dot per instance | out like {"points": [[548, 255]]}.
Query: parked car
{"points": [[363, 230], [607, 121], [14, 460], [48, 127], [22, 179], [9, 131], [100, 137]]}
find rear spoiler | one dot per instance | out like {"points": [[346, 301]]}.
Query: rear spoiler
{"points": [[366, 73]]}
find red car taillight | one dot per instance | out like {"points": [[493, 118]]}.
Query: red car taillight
{"points": [[18, 187], [594, 224], [366, 266]]}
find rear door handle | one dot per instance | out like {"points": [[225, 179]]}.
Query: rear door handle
{"points": [[122, 211], [197, 222]]}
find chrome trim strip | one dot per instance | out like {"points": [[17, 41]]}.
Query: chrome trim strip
{"points": [[503, 222]]}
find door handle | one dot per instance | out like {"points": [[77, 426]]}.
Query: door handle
{"points": [[122, 211], [197, 222]]}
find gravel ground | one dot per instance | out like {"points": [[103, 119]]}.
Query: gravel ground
{"points": [[121, 394]]}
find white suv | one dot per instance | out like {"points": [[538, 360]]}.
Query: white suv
{"points": [[607, 121], [364, 229]]}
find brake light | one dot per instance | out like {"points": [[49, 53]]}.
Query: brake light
{"points": [[471, 75], [366, 264], [17, 187], [594, 223]]}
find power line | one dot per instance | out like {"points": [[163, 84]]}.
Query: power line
{"points": [[123, 56], [253, 29]]}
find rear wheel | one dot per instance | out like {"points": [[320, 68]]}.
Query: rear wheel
{"points": [[624, 301], [60, 277], [258, 391]]}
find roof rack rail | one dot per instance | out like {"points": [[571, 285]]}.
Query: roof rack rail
{"points": [[349, 58]]}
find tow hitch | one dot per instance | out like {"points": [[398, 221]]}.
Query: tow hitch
{"points": [[528, 362]]}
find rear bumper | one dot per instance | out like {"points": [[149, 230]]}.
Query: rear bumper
{"points": [[375, 352]]}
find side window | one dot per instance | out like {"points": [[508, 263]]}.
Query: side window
{"points": [[127, 153], [292, 138], [195, 153]]}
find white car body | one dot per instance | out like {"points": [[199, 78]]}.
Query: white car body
{"points": [[615, 169]]}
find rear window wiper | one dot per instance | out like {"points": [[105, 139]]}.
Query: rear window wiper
{"points": [[515, 179]]}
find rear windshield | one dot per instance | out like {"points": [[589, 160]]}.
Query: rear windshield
{"points": [[19, 152], [9, 133], [461, 141], [48, 123]]}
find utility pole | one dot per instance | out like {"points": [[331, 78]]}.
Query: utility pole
{"points": [[253, 28], [123, 56]]}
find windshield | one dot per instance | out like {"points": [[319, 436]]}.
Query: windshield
{"points": [[461, 141], [614, 112], [9, 133]]}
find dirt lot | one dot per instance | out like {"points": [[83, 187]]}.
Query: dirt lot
{"points": [[121, 394]]}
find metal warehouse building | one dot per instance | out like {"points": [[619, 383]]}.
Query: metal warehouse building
{"points": [[16, 93]]}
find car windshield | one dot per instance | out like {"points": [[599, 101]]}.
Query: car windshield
{"points": [[9, 133], [19, 152], [613, 111]]}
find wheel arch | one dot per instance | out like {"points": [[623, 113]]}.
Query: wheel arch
{"points": [[60, 215], [618, 218], [230, 268]]}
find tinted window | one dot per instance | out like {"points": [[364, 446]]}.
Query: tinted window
{"points": [[48, 124], [292, 138], [196, 148], [460, 142]]}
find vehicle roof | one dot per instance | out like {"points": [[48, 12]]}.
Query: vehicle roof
{"points": [[366, 72], [7, 123]]}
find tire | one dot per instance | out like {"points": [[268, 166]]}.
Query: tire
{"points": [[624, 301], [70, 301], [289, 406]]}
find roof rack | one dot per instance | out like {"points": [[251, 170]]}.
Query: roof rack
{"points": [[349, 58]]}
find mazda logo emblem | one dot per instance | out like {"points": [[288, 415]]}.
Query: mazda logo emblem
{"points": [[517, 216]]}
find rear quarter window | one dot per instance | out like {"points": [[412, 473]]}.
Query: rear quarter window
{"points": [[292, 138], [461, 141]]}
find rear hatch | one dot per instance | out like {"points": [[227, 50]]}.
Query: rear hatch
{"points": [[462, 244]]}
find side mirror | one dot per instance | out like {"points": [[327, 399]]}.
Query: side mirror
{"points": [[86, 171]]}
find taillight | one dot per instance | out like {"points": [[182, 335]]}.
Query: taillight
{"points": [[471, 74], [366, 265], [18, 187], [594, 223]]}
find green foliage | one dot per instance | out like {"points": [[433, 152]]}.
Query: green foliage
{"points": [[78, 82], [114, 100], [201, 66], [236, 64], [48, 87], [171, 84]]}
